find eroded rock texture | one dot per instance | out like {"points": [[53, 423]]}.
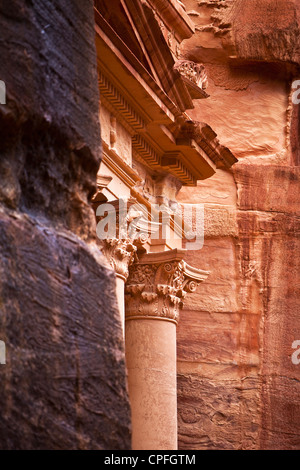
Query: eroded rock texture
{"points": [[238, 387], [63, 386]]}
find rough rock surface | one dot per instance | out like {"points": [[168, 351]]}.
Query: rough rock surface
{"points": [[237, 385], [63, 385]]}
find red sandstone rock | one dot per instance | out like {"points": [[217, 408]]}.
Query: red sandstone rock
{"points": [[237, 385], [63, 385]]}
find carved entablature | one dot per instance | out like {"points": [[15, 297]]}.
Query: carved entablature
{"points": [[115, 101], [203, 135], [193, 72], [157, 285]]}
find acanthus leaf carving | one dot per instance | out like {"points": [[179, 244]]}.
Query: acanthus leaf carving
{"points": [[120, 254], [162, 286]]}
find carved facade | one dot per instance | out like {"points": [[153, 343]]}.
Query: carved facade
{"points": [[151, 148], [182, 97]]}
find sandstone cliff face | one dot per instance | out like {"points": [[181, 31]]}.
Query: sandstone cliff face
{"points": [[63, 385], [238, 387]]}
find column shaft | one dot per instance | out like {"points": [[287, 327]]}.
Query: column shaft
{"points": [[151, 364]]}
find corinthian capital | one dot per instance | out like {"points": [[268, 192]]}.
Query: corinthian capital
{"points": [[120, 254], [130, 232], [158, 283]]}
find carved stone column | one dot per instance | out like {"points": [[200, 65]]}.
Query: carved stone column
{"points": [[120, 254], [131, 232], [155, 290]]}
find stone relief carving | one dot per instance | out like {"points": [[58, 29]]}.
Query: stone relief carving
{"points": [[157, 289], [132, 232], [120, 254], [193, 72]]}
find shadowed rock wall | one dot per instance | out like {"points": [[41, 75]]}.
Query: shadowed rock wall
{"points": [[63, 385]]}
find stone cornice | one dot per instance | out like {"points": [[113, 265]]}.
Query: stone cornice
{"points": [[162, 137], [158, 283], [194, 132], [120, 104], [112, 52], [174, 15]]}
